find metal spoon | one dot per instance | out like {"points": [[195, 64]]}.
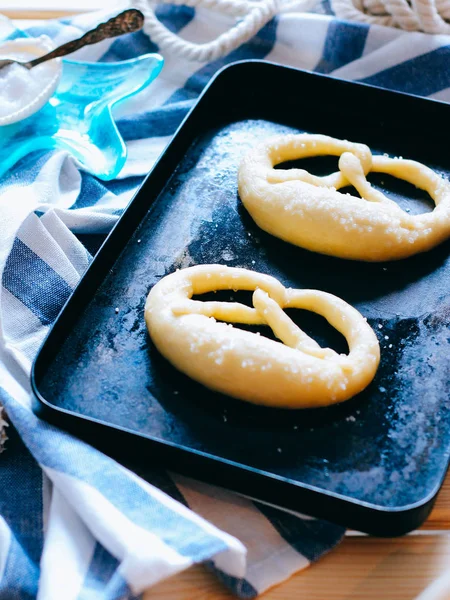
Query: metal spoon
{"points": [[126, 22]]}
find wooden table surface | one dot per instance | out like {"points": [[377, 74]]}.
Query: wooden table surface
{"points": [[361, 568]]}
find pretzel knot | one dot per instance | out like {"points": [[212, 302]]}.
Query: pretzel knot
{"points": [[296, 372], [310, 212]]}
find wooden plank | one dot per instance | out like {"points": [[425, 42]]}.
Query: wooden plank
{"points": [[440, 516], [362, 568], [37, 14], [52, 9]]}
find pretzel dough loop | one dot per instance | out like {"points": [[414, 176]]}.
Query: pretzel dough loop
{"points": [[297, 373], [309, 211]]}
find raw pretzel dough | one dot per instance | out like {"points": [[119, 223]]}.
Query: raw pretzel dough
{"points": [[297, 373], [308, 211]]}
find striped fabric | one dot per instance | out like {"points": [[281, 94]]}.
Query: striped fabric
{"points": [[74, 524]]}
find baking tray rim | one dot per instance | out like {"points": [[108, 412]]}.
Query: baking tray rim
{"points": [[402, 510]]}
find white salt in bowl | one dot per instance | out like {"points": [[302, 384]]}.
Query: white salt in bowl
{"points": [[23, 92]]}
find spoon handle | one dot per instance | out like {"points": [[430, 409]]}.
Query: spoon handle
{"points": [[126, 22]]}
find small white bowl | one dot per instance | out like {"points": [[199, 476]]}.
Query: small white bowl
{"points": [[43, 81]]}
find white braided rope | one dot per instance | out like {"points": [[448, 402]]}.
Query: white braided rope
{"points": [[430, 16], [254, 14]]}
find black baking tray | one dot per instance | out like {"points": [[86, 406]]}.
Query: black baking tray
{"points": [[374, 463]]}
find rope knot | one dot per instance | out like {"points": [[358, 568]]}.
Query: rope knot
{"points": [[429, 16]]}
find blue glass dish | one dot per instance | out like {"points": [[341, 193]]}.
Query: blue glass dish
{"points": [[78, 116]]}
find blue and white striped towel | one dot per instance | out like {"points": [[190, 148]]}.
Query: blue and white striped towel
{"points": [[74, 523]]}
